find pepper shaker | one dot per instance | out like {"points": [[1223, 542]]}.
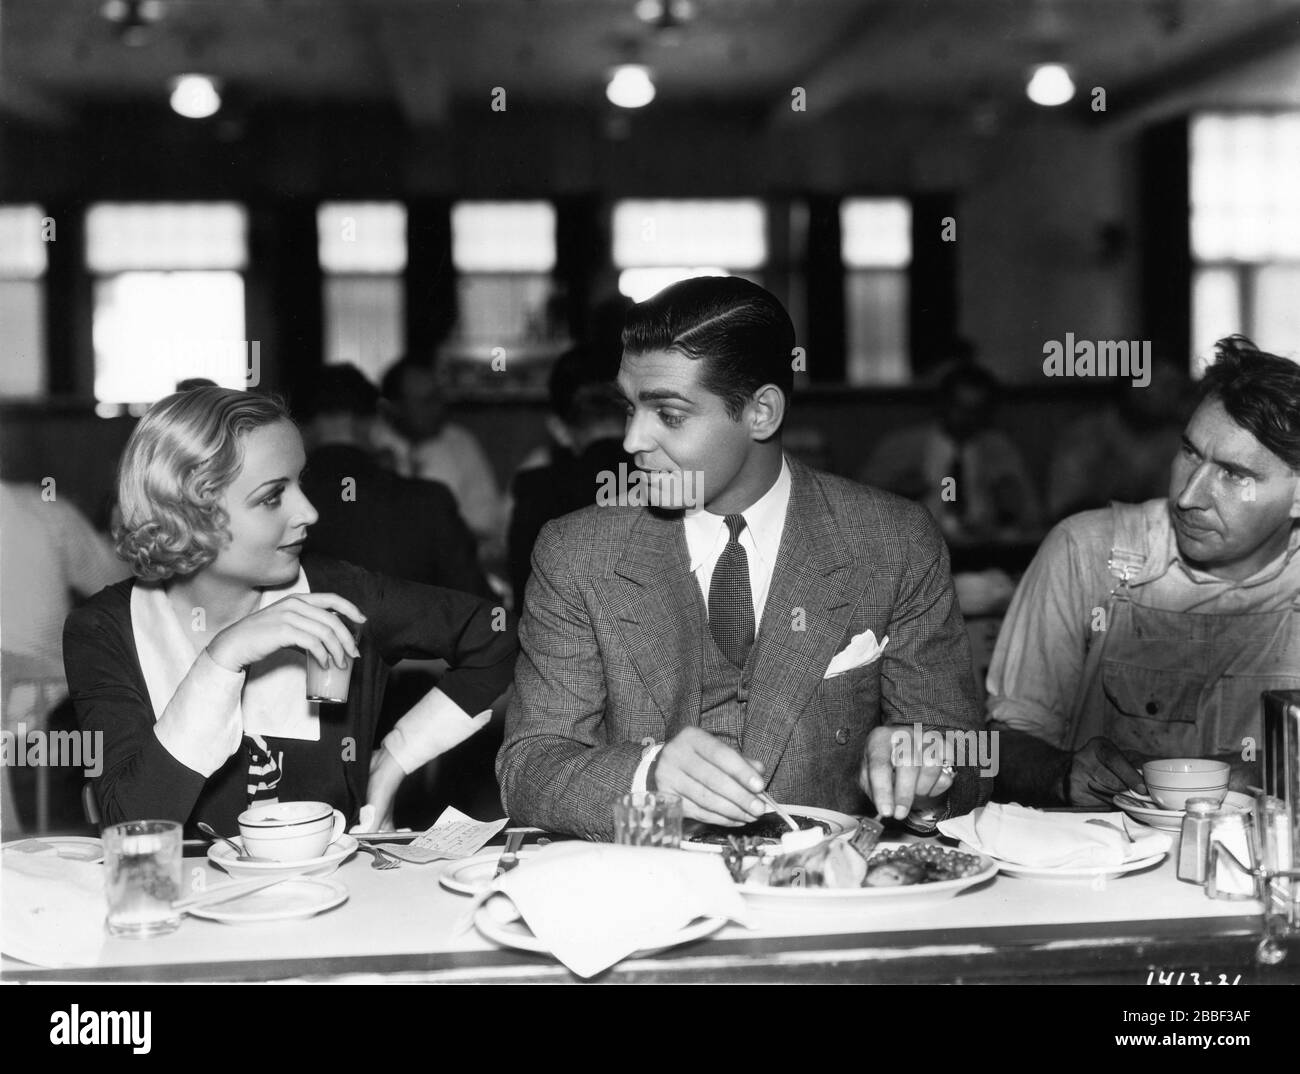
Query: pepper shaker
{"points": [[1194, 842]]}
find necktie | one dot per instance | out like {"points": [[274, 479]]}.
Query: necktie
{"points": [[731, 608]]}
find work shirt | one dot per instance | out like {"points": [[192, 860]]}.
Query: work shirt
{"points": [[1112, 633]]}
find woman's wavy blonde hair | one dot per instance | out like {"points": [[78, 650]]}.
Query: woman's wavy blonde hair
{"points": [[180, 458]]}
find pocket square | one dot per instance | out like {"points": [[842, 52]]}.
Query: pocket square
{"points": [[861, 650]]}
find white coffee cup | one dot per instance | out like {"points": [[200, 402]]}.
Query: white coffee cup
{"points": [[290, 831]]}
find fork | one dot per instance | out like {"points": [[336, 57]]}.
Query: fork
{"points": [[382, 860], [780, 811]]}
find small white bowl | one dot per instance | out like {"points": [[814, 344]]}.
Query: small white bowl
{"points": [[1173, 781], [290, 831]]}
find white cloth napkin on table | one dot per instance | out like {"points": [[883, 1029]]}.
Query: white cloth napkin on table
{"points": [[1042, 840], [593, 904], [52, 909]]}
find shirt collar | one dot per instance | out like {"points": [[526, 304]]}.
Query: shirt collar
{"points": [[764, 521], [274, 698]]}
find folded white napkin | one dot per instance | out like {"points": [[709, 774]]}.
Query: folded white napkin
{"points": [[52, 910], [1042, 840], [862, 649], [593, 904]]}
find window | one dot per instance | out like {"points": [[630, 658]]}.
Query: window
{"points": [[657, 243], [24, 230], [876, 247], [168, 298], [504, 253], [1245, 230], [362, 257]]}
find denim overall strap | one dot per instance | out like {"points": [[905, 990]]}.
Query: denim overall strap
{"points": [[1178, 683], [1128, 555]]}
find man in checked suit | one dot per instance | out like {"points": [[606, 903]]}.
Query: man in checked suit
{"points": [[724, 643]]}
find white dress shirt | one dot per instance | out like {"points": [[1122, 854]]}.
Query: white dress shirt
{"points": [[706, 537], [202, 710]]}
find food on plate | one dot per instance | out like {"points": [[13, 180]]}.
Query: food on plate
{"points": [[836, 864], [768, 829], [929, 863]]}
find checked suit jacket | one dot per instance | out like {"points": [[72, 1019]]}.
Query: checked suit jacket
{"points": [[612, 648]]}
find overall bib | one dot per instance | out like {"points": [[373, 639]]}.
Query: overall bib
{"points": [[1178, 684]]}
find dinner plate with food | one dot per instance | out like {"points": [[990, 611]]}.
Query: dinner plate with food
{"points": [[763, 836], [835, 876]]}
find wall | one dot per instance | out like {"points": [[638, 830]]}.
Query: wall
{"points": [[837, 428], [1034, 190]]}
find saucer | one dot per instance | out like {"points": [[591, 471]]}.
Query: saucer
{"points": [[474, 875], [1171, 820], [223, 856], [72, 847], [1083, 872], [304, 897]]}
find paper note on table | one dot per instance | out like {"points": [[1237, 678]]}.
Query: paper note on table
{"points": [[453, 835]]}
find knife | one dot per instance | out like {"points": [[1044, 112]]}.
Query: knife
{"points": [[510, 856], [232, 890]]}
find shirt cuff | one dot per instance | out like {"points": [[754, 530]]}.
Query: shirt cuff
{"points": [[430, 729], [642, 773], [201, 726]]}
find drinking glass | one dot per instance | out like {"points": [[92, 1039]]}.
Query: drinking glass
{"points": [[142, 875], [648, 819], [331, 683]]}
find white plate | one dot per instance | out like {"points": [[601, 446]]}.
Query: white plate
{"points": [[1086, 872], [224, 857], [516, 934], [72, 847], [303, 897], [839, 823], [840, 899], [1171, 820], [473, 875]]}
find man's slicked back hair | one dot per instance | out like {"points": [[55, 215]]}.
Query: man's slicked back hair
{"points": [[740, 332]]}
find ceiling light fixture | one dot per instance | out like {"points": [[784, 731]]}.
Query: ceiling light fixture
{"points": [[195, 96], [133, 19], [1050, 85], [630, 86], [660, 10]]}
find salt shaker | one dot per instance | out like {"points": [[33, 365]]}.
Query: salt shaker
{"points": [[1194, 842], [1229, 870]]}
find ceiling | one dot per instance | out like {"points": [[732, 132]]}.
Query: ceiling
{"points": [[426, 57]]}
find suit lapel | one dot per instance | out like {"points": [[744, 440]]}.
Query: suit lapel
{"points": [[805, 619], [655, 606]]}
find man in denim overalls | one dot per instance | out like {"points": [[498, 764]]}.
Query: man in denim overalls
{"points": [[1150, 630]]}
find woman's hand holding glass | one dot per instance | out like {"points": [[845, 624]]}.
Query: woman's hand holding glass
{"points": [[306, 621]]}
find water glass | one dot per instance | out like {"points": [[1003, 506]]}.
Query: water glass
{"points": [[332, 683], [648, 819], [142, 875]]}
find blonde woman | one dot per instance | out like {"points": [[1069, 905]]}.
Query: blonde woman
{"points": [[194, 672]]}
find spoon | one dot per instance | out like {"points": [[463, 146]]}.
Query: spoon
{"points": [[207, 829]]}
